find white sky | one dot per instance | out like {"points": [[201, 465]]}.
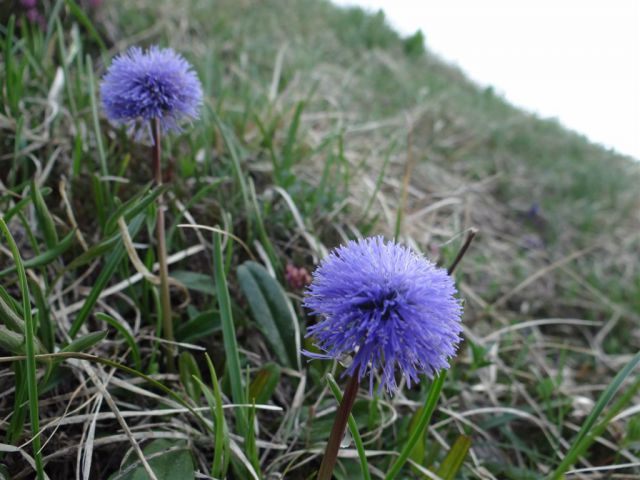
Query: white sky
{"points": [[576, 60]]}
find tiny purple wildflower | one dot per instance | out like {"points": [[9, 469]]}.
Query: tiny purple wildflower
{"points": [[385, 305], [142, 85]]}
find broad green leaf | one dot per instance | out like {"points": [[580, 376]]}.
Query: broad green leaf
{"points": [[272, 312], [417, 454], [196, 281], [199, 327], [264, 383], [169, 460], [453, 461]]}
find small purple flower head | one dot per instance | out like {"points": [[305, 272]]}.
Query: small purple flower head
{"points": [[157, 83], [387, 306]]}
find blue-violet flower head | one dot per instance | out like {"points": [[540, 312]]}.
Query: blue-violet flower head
{"points": [[386, 306], [157, 83]]}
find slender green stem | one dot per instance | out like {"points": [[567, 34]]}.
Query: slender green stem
{"points": [[423, 422], [339, 426], [30, 350], [165, 294]]}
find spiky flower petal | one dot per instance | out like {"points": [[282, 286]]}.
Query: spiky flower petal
{"points": [[388, 307], [142, 85]]}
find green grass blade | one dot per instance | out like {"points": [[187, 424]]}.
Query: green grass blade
{"points": [[9, 73], [85, 342], [429, 407], [262, 232], [284, 176], [45, 220], [583, 439], [353, 428], [228, 332], [84, 20], [235, 158], [30, 348], [107, 272], [45, 257], [46, 328], [221, 441], [102, 156], [128, 338]]}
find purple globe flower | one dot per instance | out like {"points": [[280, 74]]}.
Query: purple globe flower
{"points": [[157, 83], [387, 306]]}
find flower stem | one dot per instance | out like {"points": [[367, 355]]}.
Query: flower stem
{"points": [[339, 426], [165, 296]]}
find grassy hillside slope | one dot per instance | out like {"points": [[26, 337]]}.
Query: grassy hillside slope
{"points": [[320, 124]]}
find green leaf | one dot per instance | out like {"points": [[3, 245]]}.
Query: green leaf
{"points": [[95, 251], [45, 220], [284, 174], [30, 350], [199, 327], [189, 370], [85, 342], [46, 328], [169, 459], [11, 212], [198, 282], [8, 314], [229, 333], [84, 20], [589, 429], [135, 351], [272, 312], [453, 461], [47, 256], [221, 455], [417, 454], [107, 272], [132, 207], [423, 423], [11, 342], [264, 383]]}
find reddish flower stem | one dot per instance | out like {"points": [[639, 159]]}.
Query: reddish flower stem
{"points": [[338, 429], [165, 295]]}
